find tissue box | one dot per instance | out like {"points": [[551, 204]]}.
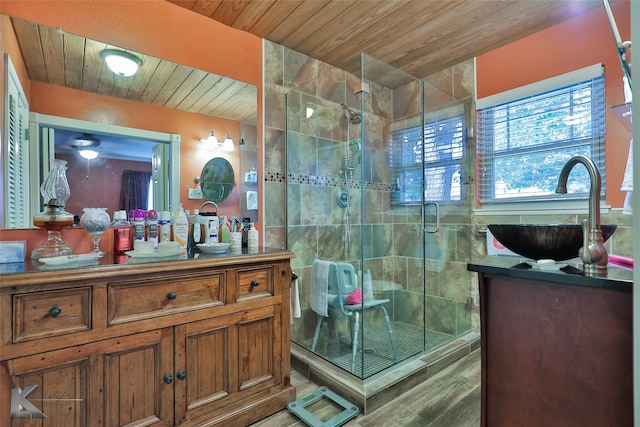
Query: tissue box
{"points": [[496, 248], [12, 251]]}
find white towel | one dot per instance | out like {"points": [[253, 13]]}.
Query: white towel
{"points": [[295, 301], [627, 179], [627, 182], [320, 286]]}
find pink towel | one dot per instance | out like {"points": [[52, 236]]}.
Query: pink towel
{"points": [[355, 297]]}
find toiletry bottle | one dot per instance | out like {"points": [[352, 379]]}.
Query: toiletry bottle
{"points": [[225, 230], [214, 228], [203, 220], [252, 237], [164, 223], [152, 228], [181, 228], [197, 228], [138, 225], [191, 242], [246, 224], [122, 233]]}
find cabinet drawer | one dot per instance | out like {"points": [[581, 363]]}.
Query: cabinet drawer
{"points": [[51, 313], [254, 283], [131, 301]]}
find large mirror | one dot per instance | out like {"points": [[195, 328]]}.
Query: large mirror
{"points": [[67, 68]]}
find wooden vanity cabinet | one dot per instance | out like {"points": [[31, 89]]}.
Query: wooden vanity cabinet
{"points": [[199, 342]]}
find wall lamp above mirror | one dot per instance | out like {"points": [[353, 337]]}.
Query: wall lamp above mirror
{"points": [[120, 62], [212, 142]]}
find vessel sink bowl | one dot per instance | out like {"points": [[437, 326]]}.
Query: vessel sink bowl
{"points": [[558, 242]]}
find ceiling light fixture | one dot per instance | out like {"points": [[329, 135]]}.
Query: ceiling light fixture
{"points": [[121, 62], [227, 145], [88, 153], [86, 146], [211, 140]]}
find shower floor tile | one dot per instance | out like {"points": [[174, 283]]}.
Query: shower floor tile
{"points": [[378, 354]]}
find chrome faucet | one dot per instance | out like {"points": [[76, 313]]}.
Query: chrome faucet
{"points": [[593, 253]]}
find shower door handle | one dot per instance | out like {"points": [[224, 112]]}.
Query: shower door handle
{"points": [[437, 226]]}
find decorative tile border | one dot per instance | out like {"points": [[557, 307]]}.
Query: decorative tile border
{"points": [[323, 181]]}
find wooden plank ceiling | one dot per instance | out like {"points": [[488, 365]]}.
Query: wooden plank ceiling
{"points": [[72, 61], [418, 37]]}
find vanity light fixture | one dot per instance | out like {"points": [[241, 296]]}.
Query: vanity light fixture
{"points": [[120, 62], [211, 140], [227, 145]]}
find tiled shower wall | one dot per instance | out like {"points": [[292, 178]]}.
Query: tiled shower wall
{"points": [[390, 235]]}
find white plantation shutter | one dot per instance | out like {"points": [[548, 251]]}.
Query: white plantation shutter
{"points": [[16, 154]]}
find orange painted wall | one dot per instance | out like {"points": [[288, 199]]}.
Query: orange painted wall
{"points": [[577, 43], [160, 29]]}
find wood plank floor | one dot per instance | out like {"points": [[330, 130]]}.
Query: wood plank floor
{"points": [[449, 399]]}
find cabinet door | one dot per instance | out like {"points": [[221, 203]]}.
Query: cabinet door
{"points": [[139, 382], [61, 393], [225, 361], [98, 383]]}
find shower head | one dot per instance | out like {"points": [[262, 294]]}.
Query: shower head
{"points": [[354, 116]]}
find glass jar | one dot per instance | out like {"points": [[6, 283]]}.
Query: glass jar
{"points": [[95, 221]]}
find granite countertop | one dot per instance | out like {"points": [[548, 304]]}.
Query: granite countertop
{"points": [[111, 263], [618, 278]]}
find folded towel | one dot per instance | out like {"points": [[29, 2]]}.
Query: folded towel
{"points": [[627, 182], [320, 286], [295, 301], [627, 179]]}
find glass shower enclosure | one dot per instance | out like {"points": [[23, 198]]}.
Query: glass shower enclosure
{"points": [[368, 241]]}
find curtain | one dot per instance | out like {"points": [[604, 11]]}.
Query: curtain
{"points": [[134, 191]]}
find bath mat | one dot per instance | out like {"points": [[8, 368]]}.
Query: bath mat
{"points": [[300, 407]]}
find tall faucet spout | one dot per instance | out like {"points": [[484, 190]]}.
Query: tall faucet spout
{"points": [[593, 253]]}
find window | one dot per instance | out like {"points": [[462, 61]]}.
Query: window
{"points": [[16, 152], [443, 152], [523, 143]]}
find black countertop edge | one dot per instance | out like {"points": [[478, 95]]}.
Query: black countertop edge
{"points": [[617, 278]]}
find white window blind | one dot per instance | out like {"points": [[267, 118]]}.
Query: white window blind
{"points": [[16, 153], [523, 143], [435, 155]]}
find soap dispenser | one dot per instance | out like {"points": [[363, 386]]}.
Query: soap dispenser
{"points": [[252, 238]]}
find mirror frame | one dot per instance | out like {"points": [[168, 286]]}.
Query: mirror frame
{"points": [[41, 153]]}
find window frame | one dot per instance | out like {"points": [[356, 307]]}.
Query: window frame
{"points": [[532, 202]]}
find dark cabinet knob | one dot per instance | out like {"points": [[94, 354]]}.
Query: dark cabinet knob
{"points": [[254, 283], [168, 379], [181, 375], [172, 295], [55, 311]]}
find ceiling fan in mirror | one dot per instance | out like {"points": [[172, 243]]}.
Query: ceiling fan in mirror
{"points": [[86, 146]]}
